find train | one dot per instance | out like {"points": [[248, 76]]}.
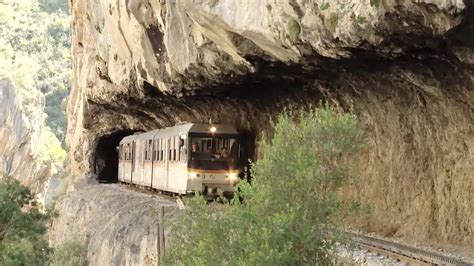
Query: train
{"points": [[183, 159]]}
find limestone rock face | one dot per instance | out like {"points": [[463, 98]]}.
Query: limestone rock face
{"points": [[405, 67], [19, 137], [120, 225]]}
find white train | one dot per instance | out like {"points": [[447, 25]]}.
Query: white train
{"points": [[183, 159]]}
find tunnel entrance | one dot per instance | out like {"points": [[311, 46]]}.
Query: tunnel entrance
{"points": [[106, 156]]}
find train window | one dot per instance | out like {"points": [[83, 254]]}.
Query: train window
{"points": [[160, 152], [223, 150], [133, 153], [169, 149], [182, 153], [126, 152], [150, 145], [182, 148], [147, 149], [150, 149], [173, 153], [157, 149], [160, 155], [146, 152], [174, 149], [178, 145], [124, 146]]}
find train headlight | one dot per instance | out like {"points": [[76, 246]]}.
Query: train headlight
{"points": [[192, 175], [232, 176]]}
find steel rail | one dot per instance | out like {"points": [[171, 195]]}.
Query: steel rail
{"points": [[402, 252]]}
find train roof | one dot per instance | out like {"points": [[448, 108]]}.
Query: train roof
{"points": [[181, 129]]}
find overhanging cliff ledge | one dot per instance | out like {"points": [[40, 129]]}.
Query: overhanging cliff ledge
{"points": [[405, 67]]}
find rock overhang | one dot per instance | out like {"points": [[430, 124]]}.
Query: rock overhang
{"points": [[411, 86]]}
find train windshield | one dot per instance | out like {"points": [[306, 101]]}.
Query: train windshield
{"points": [[214, 152]]}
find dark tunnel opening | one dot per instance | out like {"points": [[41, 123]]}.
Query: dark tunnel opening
{"points": [[106, 156]]}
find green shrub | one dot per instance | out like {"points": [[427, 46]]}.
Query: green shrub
{"points": [[333, 19], [324, 6], [293, 30], [375, 3], [361, 19], [289, 207], [22, 226], [70, 253]]}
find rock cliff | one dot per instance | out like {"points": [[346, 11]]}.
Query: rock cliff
{"points": [[19, 140], [120, 225], [405, 67]]}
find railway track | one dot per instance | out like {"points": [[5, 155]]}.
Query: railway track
{"points": [[404, 253]]}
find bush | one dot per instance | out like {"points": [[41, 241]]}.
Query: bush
{"points": [[22, 226], [293, 30], [70, 253], [291, 205]]}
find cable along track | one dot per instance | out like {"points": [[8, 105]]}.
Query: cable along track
{"points": [[405, 253]]}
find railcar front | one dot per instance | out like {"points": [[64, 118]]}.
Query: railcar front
{"points": [[214, 156]]}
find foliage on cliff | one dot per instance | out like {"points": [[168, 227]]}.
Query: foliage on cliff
{"points": [[22, 226], [289, 206], [35, 54], [72, 252]]}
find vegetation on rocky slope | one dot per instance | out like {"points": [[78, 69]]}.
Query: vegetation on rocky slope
{"points": [[289, 206], [23, 228], [35, 55]]}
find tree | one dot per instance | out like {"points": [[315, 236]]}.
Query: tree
{"points": [[54, 6], [22, 226], [285, 215]]}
